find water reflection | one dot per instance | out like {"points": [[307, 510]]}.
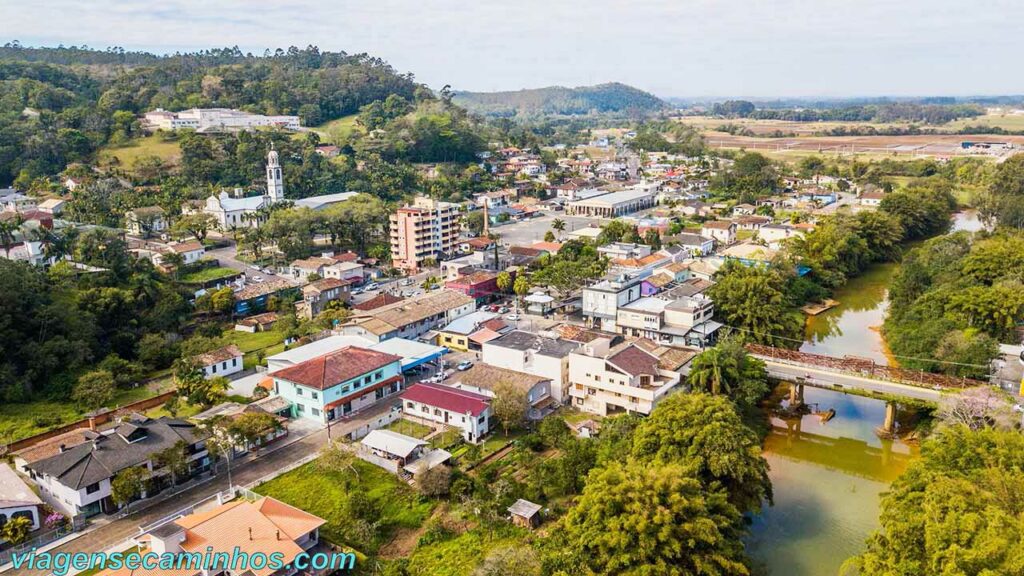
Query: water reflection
{"points": [[852, 327], [827, 476]]}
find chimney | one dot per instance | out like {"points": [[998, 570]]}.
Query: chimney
{"points": [[278, 535], [238, 192], [92, 423], [62, 448]]}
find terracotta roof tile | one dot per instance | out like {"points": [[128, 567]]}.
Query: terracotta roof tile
{"points": [[447, 398], [332, 369]]}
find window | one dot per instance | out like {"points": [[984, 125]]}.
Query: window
{"points": [[315, 411], [234, 361], [463, 418], [213, 369], [426, 409], [410, 405], [316, 396], [92, 488], [597, 378], [299, 408], [298, 391], [367, 380], [437, 412], [480, 420], [377, 375]]}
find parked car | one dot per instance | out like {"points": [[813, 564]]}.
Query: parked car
{"points": [[357, 291], [463, 366], [407, 282], [372, 286], [503, 310], [268, 271], [257, 279], [436, 379], [513, 316]]}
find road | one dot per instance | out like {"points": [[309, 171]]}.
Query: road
{"points": [[243, 472], [828, 379]]}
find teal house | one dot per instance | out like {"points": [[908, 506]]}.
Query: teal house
{"points": [[338, 384]]}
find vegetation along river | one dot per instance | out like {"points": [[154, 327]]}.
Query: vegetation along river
{"points": [[828, 475]]}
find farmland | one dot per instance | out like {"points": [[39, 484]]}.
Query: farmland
{"points": [[155, 145]]}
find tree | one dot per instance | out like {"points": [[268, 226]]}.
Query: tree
{"points": [[337, 458], [175, 459], [252, 428], [558, 225], [509, 561], [16, 530], [197, 225], [194, 386], [504, 281], [751, 299], [705, 435], [549, 236], [728, 369], [436, 481], [956, 510], [8, 228], [129, 484], [977, 408], [653, 520], [509, 405], [173, 260], [94, 389], [521, 286]]}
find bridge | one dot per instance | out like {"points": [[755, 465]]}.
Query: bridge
{"points": [[856, 373]]}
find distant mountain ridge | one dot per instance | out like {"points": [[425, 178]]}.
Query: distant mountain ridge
{"points": [[609, 99]]}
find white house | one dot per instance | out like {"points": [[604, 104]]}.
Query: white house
{"points": [[468, 411], [221, 362], [191, 251], [723, 231], [543, 354], [17, 500], [626, 378], [602, 300]]}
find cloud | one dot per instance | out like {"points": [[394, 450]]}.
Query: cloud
{"points": [[672, 47]]}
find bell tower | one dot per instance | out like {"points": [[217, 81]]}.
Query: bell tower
{"points": [[275, 182]]}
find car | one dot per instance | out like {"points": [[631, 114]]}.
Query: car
{"points": [[436, 379], [357, 291], [268, 271], [407, 282], [372, 286], [493, 308], [257, 279], [463, 366], [503, 310], [512, 317]]}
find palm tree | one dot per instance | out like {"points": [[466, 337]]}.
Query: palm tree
{"points": [[8, 229], [45, 237], [714, 370], [558, 224]]}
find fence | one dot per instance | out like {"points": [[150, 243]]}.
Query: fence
{"points": [[43, 539]]}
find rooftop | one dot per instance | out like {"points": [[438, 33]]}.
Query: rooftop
{"points": [[392, 442], [447, 398], [487, 377], [219, 355], [542, 345], [336, 367], [14, 491]]}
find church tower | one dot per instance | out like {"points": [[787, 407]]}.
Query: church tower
{"points": [[275, 182]]}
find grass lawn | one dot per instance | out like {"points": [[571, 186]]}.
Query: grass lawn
{"points": [[19, 421], [446, 438], [573, 416], [154, 145], [1004, 121], [185, 410], [327, 494], [459, 554], [409, 428], [253, 341], [335, 130], [206, 275]]}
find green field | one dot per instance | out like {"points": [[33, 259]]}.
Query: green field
{"points": [[459, 554], [23, 420], [154, 145], [409, 428], [327, 494], [206, 275], [1013, 122], [336, 130]]}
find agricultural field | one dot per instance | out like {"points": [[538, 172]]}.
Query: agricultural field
{"points": [[1011, 121], [761, 127], [128, 155]]}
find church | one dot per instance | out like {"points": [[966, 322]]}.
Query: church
{"points": [[238, 211]]}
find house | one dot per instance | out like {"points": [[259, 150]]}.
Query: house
{"points": [[409, 318], [13, 201], [623, 250], [468, 411], [353, 271], [458, 334], [255, 296], [303, 268], [776, 234], [145, 221], [257, 323], [318, 294], [544, 354], [398, 453], [655, 283], [694, 244], [723, 231], [641, 267], [696, 208], [684, 321], [743, 209], [221, 362], [872, 198], [339, 383], [317, 203], [378, 301], [263, 528], [78, 477], [485, 379], [752, 222], [749, 253], [525, 514], [601, 300], [482, 285], [626, 378], [17, 500], [412, 353], [230, 411], [589, 233], [54, 206], [191, 251]]}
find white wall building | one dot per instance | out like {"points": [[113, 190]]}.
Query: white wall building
{"points": [[216, 119], [602, 300]]}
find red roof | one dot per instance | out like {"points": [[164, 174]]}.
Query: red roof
{"points": [[332, 369], [634, 361], [382, 299], [447, 398], [345, 257]]}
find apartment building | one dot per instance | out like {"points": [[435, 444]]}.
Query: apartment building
{"points": [[683, 321], [425, 229], [542, 354], [601, 301], [410, 318], [631, 377]]}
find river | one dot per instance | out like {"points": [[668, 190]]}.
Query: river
{"points": [[828, 476]]}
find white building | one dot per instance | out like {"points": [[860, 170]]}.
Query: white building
{"points": [[723, 231], [626, 378], [601, 301], [221, 362], [216, 119], [239, 211], [614, 204], [17, 500], [468, 411], [191, 251], [623, 250], [543, 354]]}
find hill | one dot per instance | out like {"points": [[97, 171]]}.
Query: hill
{"points": [[613, 99]]}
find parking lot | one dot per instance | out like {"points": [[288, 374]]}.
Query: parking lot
{"points": [[533, 230]]}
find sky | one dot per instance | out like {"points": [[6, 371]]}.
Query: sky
{"points": [[673, 48]]}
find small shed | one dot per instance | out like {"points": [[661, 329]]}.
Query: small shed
{"points": [[525, 513]]}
